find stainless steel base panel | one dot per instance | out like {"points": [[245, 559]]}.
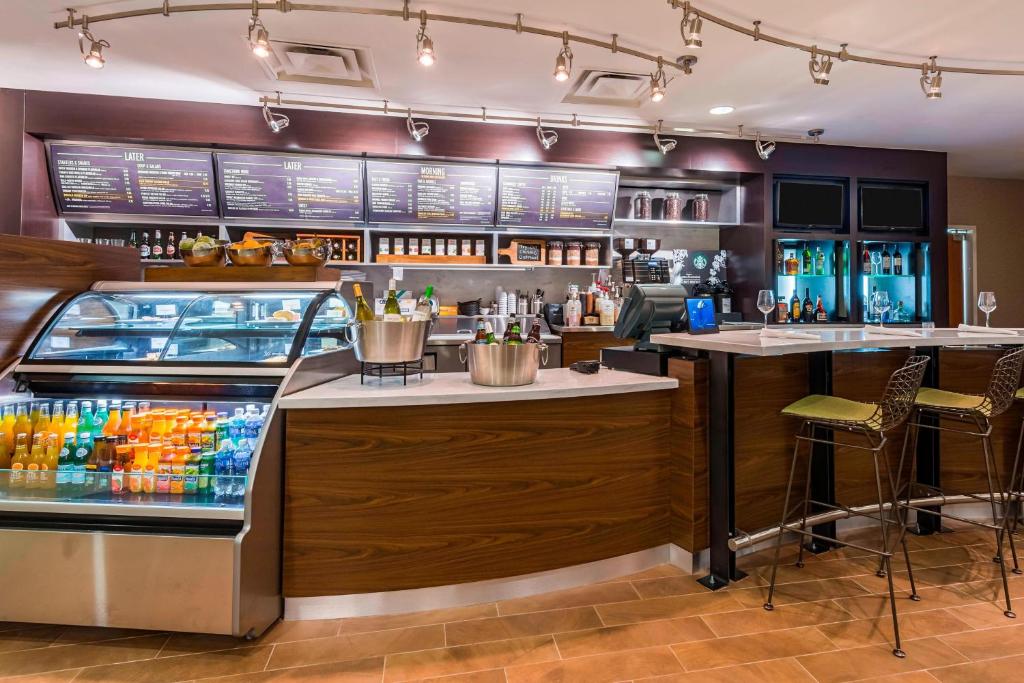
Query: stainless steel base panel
{"points": [[144, 581]]}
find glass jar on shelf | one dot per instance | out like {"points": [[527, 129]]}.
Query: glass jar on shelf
{"points": [[555, 251], [643, 208], [701, 207], [573, 253], [673, 206], [592, 253]]}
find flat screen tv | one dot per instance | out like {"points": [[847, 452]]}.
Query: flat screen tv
{"points": [[892, 207], [810, 204]]}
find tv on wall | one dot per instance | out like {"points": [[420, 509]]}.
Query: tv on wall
{"points": [[891, 207], [810, 204]]}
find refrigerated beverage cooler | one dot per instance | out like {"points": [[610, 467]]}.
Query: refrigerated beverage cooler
{"points": [[902, 271], [142, 453], [812, 281]]}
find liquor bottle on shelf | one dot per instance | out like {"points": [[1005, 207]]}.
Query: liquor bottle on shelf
{"points": [[172, 247], [145, 251], [352, 252], [866, 260], [392, 311], [781, 310], [886, 260], [158, 245], [897, 262], [792, 264], [808, 265], [794, 308], [808, 312], [133, 241], [820, 314], [900, 314], [779, 265], [819, 261], [363, 310]]}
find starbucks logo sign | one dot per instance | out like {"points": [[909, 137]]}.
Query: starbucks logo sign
{"points": [[700, 262]]}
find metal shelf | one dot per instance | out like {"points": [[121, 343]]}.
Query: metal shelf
{"points": [[635, 222]]}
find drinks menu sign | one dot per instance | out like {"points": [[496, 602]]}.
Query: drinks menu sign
{"points": [[556, 198], [133, 180], [276, 186], [432, 193]]}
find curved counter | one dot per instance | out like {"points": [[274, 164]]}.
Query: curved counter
{"points": [[407, 497]]}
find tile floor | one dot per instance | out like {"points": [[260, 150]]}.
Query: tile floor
{"points": [[831, 624]]}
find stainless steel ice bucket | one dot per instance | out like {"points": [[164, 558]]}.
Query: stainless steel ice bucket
{"points": [[498, 365], [377, 341]]}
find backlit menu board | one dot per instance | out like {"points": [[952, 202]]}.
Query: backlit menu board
{"points": [[277, 186], [445, 194], [556, 197], [132, 180]]}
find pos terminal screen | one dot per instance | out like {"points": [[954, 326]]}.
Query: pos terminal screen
{"points": [[700, 312]]}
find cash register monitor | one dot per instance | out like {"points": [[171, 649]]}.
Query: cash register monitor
{"points": [[650, 309]]}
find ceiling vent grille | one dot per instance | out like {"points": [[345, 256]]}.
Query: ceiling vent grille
{"points": [[608, 88], [321, 64]]}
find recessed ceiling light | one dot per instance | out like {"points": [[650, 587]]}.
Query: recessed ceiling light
{"points": [[685, 130], [722, 110]]}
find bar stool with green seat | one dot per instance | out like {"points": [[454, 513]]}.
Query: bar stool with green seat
{"points": [[975, 412], [872, 422]]}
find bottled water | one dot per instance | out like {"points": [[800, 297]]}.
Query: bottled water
{"points": [[223, 468], [236, 425], [253, 425], [240, 466]]}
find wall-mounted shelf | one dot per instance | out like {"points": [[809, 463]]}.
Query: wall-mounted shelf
{"points": [[635, 222]]}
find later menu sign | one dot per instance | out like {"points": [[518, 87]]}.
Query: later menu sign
{"points": [[133, 180], [556, 197], [277, 186], [445, 194]]}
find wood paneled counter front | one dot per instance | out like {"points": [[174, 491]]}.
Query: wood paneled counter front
{"points": [[443, 482]]}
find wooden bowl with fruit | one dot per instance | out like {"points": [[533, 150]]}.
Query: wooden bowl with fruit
{"points": [[203, 251], [251, 252], [306, 252]]}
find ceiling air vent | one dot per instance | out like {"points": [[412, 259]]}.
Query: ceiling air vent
{"points": [[323, 64], [609, 88]]}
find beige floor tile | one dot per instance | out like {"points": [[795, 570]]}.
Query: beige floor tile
{"points": [[356, 646], [667, 608], [668, 586], [65, 676], [878, 660], [851, 634], [1005, 669], [757, 619], [943, 557], [75, 656], [713, 654], [909, 677], [574, 597], [467, 658], [773, 671], [988, 643], [992, 590], [825, 569], [489, 676], [877, 605], [805, 591], [621, 666], [982, 615], [29, 638], [94, 634], [521, 625], [393, 621], [181, 668], [632, 636], [957, 573], [660, 571], [880, 584], [360, 671]]}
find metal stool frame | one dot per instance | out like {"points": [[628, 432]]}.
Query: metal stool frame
{"points": [[895, 407]]}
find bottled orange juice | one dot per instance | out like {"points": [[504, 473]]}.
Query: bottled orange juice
{"points": [[141, 453], [163, 468], [19, 461], [208, 437], [6, 437], [124, 430], [42, 423], [179, 436], [50, 462], [57, 419], [22, 425], [158, 427], [71, 420], [178, 469], [194, 429], [36, 457], [113, 422], [33, 412]]}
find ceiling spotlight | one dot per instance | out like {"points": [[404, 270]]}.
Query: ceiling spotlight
{"points": [[658, 83], [764, 149], [931, 80], [276, 121], [690, 27], [819, 66], [721, 110], [259, 36], [563, 62], [417, 129], [94, 55], [685, 130], [547, 138], [815, 134], [425, 53], [664, 146]]}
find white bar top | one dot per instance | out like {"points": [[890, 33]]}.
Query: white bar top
{"points": [[455, 387], [750, 342]]}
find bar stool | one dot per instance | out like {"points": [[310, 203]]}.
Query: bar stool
{"points": [[975, 412], [1016, 483], [872, 422]]}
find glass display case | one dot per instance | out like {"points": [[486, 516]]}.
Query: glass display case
{"points": [[143, 442], [900, 269], [815, 273]]}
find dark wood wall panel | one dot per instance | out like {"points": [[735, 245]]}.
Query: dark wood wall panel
{"points": [[407, 497], [963, 465], [764, 438], [37, 275], [12, 128], [587, 345], [862, 376], [688, 479]]}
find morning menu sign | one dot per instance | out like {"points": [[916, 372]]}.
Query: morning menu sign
{"points": [[432, 193], [276, 186], [132, 180], [556, 197]]}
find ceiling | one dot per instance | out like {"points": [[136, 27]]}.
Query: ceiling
{"points": [[204, 57]]}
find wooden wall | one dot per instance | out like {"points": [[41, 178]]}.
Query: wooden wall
{"points": [[37, 275]]}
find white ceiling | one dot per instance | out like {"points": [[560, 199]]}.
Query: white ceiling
{"points": [[203, 57]]}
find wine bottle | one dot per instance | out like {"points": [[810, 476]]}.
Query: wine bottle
{"points": [[820, 315], [808, 315], [392, 311], [779, 267], [172, 246], [807, 260], [794, 308], [866, 260], [363, 310], [897, 262], [424, 309], [781, 310], [886, 260], [819, 262]]}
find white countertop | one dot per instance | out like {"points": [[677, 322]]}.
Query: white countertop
{"points": [[455, 387], [750, 342]]}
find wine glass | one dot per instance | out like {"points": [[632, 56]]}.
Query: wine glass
{"points": [[987, 304], [766, 303], [881, 304], [876, 262]]}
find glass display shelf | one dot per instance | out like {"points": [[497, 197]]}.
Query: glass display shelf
{"points": [[813, 269], [902, 270]]}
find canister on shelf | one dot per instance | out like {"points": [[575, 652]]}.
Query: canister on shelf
{"points": [[673, 206], [592, 254], [701, 207], [642, 207], [555, 249], [573, 253]]}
